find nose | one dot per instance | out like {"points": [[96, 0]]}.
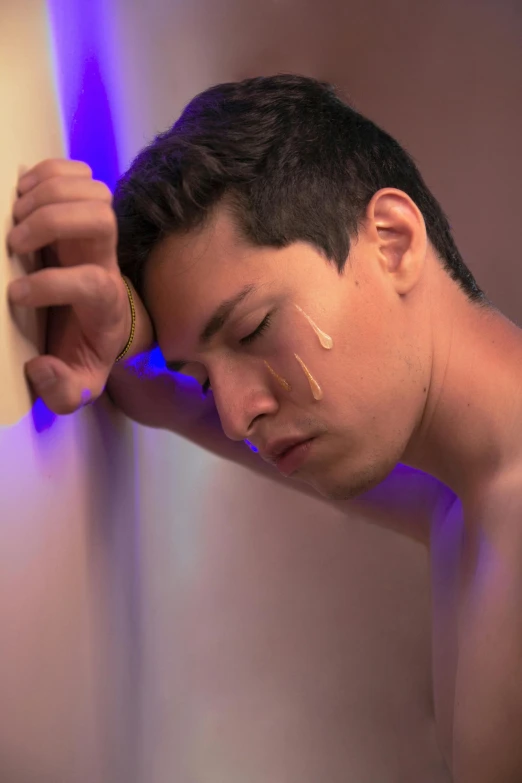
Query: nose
{"points": [[241, 403]]}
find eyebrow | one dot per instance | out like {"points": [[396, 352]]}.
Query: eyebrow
{"points": [[216, 322]]}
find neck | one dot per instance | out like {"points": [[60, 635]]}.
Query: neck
{"points": [[470, 432]]}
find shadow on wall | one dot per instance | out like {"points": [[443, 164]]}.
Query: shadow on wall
{"points": [[115, 568], [72, 595]]}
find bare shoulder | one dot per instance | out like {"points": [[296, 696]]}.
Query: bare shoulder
{"points": [[408, 501], [497, 509]]}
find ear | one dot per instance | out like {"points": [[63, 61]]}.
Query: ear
{"points": [[396, 226]]}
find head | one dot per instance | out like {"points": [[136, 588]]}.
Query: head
{"points": [[276, 190]]}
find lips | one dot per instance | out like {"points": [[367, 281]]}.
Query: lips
{"points": [[294, 457], [275, 450]]}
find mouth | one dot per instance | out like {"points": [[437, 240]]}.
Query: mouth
{"points": [[293, 457]]}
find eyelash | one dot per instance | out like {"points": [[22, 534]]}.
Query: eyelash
{"points": [[263, 326]]}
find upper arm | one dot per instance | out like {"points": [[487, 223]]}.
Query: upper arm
{"points": [[405, 501]]}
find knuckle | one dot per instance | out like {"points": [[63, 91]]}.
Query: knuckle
{"points": [[105, 193], [101, 285], [106, 218], [83, 167], [50, 168]]}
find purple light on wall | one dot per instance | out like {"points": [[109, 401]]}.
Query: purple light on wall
{"points": [[81, 61], [91, 134], [43, 418], [79, 56]]}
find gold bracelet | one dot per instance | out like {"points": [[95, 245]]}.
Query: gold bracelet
{"points": [[133, 322]]}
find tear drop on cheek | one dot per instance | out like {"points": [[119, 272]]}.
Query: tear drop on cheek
{"points": [[281, 381], [317, 392], [325, 339]]}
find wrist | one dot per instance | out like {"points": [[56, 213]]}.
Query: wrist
{"points": [[138, 329], [131, 328]]}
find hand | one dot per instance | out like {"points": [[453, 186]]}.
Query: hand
{"points": [[64, 212]]}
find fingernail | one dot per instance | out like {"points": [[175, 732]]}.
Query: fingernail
{"points": [[43, 377], [19, 290]]}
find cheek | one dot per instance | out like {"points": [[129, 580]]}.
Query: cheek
{"points": [[355, 374], [286, 385], [297, 364]]}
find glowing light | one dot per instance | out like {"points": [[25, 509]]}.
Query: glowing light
{"points": [[79, 54], [156, 359], [43, 418]]}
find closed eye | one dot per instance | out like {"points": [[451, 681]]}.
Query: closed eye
{"points": [[263, 326]]}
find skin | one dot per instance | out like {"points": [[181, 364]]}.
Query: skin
{"points": [[407, 342], [359, 443], [417, 375]]}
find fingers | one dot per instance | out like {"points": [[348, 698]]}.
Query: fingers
{"points": [[57, 190], [53, 167], [62, 389], [88, 220], [87, 285], [62, 209], [59, 200]]}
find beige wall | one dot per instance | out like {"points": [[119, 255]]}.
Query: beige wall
{"points": [[70, 590], [21, 84], [165, 616]]}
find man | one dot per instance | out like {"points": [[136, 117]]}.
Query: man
{"points": [[293, 262]]}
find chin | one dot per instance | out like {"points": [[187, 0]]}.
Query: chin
{"points": [[349, 483]]}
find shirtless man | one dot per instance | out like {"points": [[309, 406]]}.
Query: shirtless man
{"points": [[287, 253]]}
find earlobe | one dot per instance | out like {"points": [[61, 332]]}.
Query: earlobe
{"points": [[400, 234]]}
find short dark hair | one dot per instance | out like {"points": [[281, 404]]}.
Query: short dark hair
{"points": [[292, 159]]}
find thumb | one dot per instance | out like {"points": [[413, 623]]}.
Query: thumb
{"points": [[62, 389]]}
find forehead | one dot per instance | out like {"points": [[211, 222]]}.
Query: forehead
{"points": [[188, 275], [183, 259]]}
